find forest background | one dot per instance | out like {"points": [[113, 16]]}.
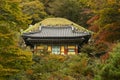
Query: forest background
{"points": [[100, 59]]}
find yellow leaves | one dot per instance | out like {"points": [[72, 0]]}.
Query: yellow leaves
{"points": [[12, 58], [8, 71], [15, 50], [84, 62], [1, 67], [11, 1], [34, 3], [35, 6], [56, 57], [29, 72], [35, 9], [5, 36], [12, 12], [111, 1]]}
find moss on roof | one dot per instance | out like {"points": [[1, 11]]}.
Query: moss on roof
{"points": [[54, 22]]}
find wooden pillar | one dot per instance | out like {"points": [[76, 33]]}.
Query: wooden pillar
{"points": [[76, 49], [34, 49], [62, 49], [50, 49], [79, 47], [65, 50]]}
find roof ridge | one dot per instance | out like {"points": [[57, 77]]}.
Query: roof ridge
{"points": [[56, 27]]}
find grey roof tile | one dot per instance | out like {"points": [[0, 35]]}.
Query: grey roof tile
{"points": [[57, 31]]}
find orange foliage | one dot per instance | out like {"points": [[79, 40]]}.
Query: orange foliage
{"points": [[111, 1], [110, 33], [94, 18], [104, 57], [94, 28], [29, 72], [84, 63]]}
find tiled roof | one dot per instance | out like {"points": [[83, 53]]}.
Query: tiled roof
{"points": [[66, 31]]}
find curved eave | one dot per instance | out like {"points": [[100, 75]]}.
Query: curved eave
{"points": [[56, 40], [54, 37], [53, 41]]}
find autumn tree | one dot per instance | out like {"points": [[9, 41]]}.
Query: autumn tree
{"points": [[35, 9], [12, 58], [107, 22]]}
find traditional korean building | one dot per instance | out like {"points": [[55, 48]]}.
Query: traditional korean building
{"points": [[56, 39]]}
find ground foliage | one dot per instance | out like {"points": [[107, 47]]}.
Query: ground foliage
{"points": [[55, 67], [73, 67]]}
